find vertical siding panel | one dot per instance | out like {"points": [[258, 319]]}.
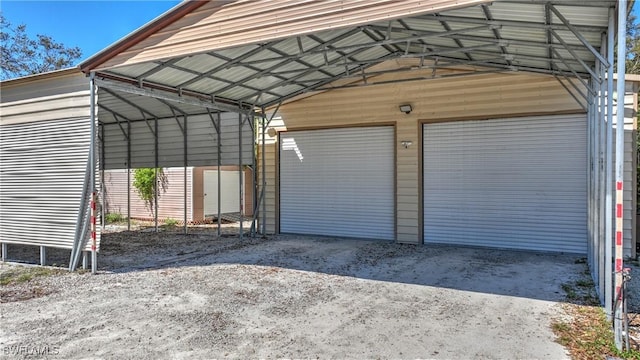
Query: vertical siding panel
{"points": [[407, 169], [270, 189], [201, 143]]}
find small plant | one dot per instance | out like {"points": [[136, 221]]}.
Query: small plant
{"points": [[149, 182], [111, 218], [570, 292], [171, 222]]}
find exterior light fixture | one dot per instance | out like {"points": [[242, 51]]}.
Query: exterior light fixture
{"points": [[406, 108], [406, 143]]}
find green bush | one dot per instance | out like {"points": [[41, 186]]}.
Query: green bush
{"points": [[147, 181], [171, 222], [114, 218]]}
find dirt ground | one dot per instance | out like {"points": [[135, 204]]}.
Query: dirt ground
{"points": [[196, 296]]}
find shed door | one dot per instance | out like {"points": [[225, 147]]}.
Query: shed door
{"points": [[338, 182], [511, 183], [230, 192]]}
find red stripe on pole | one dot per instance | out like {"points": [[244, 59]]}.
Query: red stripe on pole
{"points": [[619, 185], [618, 265], [618, 293], [93, 248], [619, 211], [619, 238]]}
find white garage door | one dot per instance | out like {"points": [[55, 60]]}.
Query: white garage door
{"points": [[338, 182], [511, 183]]}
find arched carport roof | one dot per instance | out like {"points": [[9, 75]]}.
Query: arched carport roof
{"points": [[234, 55]]}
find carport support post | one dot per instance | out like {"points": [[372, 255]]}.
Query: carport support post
{"points": [[240, 172], [263, 225], [155, 176], [4, 252], [92, 172], [622, 25], [128, 176], [184, 136], [608, 232], [254, 174], [85, 260], [602, 179], [219, 174], [43, 255]]}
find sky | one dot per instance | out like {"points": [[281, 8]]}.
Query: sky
{"points": [[92, 25]]}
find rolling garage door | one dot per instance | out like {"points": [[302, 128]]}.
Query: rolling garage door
{"points": [[510, 183], [338, 182]]}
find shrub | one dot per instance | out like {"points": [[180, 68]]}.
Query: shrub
{"points": [[113, 218], [147, 181], [171, 222]]}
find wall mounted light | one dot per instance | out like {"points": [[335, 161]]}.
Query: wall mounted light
{"points": [[406, 143], [406, 108]]}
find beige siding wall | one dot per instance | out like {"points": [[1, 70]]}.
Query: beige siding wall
{"points": [[45, 98], [270, 189], [170, 202], [480, 96]]}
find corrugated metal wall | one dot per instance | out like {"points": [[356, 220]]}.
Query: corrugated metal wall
{"points": [[202, 145], [44, 148]]}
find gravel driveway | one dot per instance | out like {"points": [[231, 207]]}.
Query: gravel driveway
{"points": [[187, 297]]}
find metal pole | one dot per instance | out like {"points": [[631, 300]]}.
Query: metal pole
{"points": [[92, 171], [622, 25], [254, 174], [219, 175], [155, 177], [102, 186], [128, 176], [264, 174], [608, 232], [184, 136], [240, 173], [590, 235], [602, 178], [43, 255]]}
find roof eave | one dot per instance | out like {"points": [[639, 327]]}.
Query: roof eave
{"points": [[40, 76], [140, 34]]}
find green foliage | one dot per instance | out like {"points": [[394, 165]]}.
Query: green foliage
{"points": [[147, 181], [113, 218], [171, 222], [633, 46], [21, 55]]}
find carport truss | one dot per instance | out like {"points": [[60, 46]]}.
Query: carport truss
{"points": [[267, 61]]}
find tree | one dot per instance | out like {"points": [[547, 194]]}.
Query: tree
{"points": [[21, 55], [633, 46]]}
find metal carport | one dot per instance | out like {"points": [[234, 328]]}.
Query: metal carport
{"points": [[251, 57]]}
